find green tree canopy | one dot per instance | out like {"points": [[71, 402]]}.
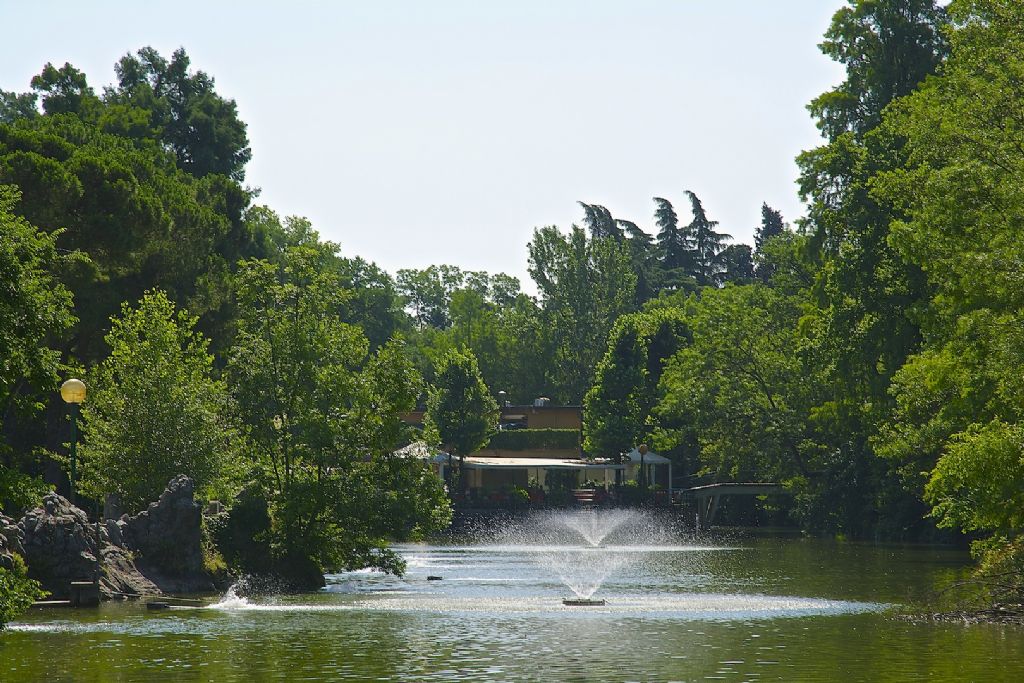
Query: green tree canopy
{"points": [[888, 47], [584, 284], [461, 412], [142, 221], [737, 264], [707, 245], [35, 310], [618, 407], [186, 113], [958, 410], [154, 408], [771, 226], [324, 419]]}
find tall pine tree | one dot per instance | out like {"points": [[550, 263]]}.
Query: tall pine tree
{"points": [[707, 245], [771, 226], [674, 251]]}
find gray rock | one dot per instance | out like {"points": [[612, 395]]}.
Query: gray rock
{"points": [[61, 546], [11, 541], [166, 539], [157, 550]]}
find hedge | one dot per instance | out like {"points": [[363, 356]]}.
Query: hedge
{"points": [[527, 439]]}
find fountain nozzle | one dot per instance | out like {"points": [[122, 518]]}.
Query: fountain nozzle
{"points": [[582, 602]]}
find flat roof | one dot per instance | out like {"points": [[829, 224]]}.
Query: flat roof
{"points": [[483, 462], [524, 406]]}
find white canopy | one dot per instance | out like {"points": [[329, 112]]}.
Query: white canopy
{"points": [[481, 462], [650, 458]]}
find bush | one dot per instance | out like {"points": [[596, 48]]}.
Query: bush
{"points": [[17, 591], [526, 439], [519, 497], [242, 534]]}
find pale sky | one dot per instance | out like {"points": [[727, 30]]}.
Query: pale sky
{"points": [[443, 132]]}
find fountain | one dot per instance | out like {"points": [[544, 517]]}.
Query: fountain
{"points": [[617, 562], [570, 545]]}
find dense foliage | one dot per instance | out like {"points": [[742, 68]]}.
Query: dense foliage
{"points": [[17, 591], [526, 439], [35, 310], [154, 409]]}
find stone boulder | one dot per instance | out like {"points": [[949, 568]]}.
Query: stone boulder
{"points": [[167, 539], [61, 545], [11, 538]]}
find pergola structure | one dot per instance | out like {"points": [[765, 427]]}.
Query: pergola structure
{"points": [[709, 495]]}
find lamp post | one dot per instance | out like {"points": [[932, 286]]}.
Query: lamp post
{"points": [[73, 393], [642, 449]]}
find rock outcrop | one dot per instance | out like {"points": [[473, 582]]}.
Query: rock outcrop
{"points": [[61, 545], [167, 539], [10, 542], [158, 550]]}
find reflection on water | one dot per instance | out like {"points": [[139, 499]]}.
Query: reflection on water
{"points": [[766, 609]]}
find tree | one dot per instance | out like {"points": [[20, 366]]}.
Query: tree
{"points": [[888, 47], [65, 91], [954, 432], [324, 420], [614, 416], [154, 409], [142, 222], [428, 292], [617, 409], [200, 127], [753, 400], [866, 317], [598, 220], [737, 264], [771, 227], [35, 310], [375, 304], [461, 411], [707, 245], [584, 285], [675, 248], [14, 106]]}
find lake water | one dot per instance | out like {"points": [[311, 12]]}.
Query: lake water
{"points": [[732, 609]]}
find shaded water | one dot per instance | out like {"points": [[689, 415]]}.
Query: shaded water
{"points": [[745, 609]]}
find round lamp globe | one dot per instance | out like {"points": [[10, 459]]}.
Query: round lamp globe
{"points": [[73, 391]]}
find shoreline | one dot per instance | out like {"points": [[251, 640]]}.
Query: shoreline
{"points": [[1005, 614]]}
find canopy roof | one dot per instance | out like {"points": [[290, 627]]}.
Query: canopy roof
{"points": [[650, 458], [482, 462]]}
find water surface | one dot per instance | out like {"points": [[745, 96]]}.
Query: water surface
{"points": [[738, 609]]}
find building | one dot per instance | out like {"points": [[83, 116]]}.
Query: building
{"points": [[538, 448]]}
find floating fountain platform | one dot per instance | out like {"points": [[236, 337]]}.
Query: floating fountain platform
{"points": [[582, 602]]}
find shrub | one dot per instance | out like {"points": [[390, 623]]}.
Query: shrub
{"points": [[17, 591], [526, 439]]}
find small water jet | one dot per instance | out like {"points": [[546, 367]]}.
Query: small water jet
{"points": [[231, 598], [594, 527]]}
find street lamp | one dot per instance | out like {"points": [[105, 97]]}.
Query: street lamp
{"points": [[642, 449], [73, 393]]}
